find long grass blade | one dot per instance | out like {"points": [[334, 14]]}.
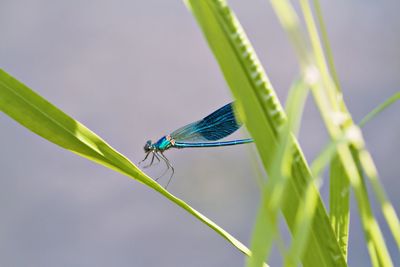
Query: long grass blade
{"points": [[337, 119], [264, 117], [387, 207], [266, 227], [339, 197], [305, 215], [360, 154], [326, 43], [376, 111], [339, 202], [369, 167], [43, 118]]}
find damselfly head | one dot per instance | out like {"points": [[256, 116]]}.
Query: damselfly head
{"points": [[148, 147]]}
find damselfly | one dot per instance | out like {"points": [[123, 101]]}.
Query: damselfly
{"points": [[202, 133]]}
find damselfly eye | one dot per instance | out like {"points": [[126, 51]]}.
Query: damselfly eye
{"points": [[147, 146]]}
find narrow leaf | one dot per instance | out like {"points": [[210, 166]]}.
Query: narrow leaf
{"points": [[337, 119], [41, 117], [339, 203], [263, 116], [376, 111], [305, 215]]}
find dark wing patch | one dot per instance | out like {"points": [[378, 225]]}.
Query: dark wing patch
{"points": [[215, 126]]}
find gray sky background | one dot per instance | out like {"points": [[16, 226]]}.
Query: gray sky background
{"points": [[136, 70]]}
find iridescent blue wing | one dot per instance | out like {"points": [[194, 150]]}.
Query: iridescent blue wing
{"points": [[215, 126]]}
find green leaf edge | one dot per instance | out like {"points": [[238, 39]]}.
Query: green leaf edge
{"points": [[43, 118], [263, 115]]}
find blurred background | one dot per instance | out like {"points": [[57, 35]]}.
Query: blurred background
{"points": [[137, 70]]}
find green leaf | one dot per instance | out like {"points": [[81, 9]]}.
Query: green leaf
{"points": [[337, 120], [263, 116], [339, 197], [339, 203], [41, 117], [369, 167], [273, 193], [306, 213], [387, 103], [386, 206]]}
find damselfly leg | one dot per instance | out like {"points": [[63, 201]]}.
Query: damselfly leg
{"points": [[154, 155], [169, 166], [159, 156], [143, 160]]}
